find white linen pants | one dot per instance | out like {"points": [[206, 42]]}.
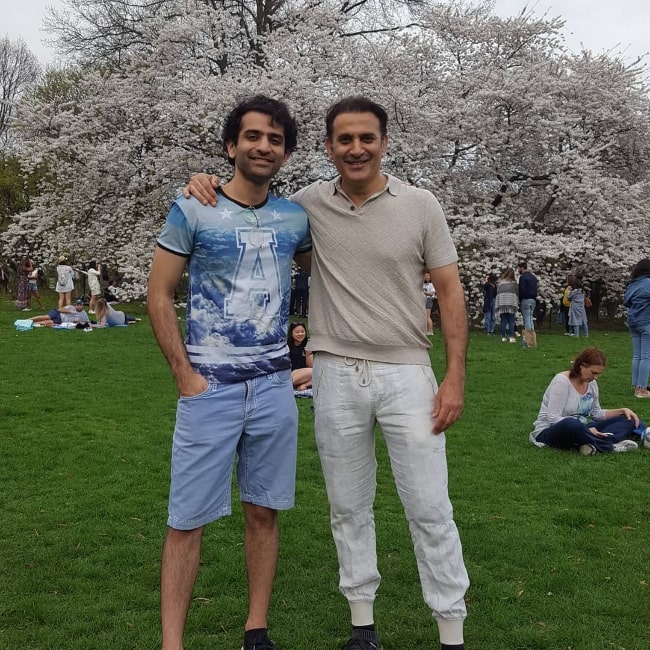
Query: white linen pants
{"points": [[350, 396]]}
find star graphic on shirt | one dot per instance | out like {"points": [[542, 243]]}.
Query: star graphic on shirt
{"points": [[225, 214], [276, 215]]}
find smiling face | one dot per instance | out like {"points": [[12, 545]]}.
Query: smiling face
{"points": [[356, 146], [298, 334], [259, 152]]}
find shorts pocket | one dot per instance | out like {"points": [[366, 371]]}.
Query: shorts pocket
{"points": [[281, 377], [211, 388]]}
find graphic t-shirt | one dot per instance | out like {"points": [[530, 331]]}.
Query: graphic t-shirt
{"points": [[239, 266]]}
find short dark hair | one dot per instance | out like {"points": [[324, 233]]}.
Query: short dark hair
{"points": [[356, 104], [522, 265], [274, 108], [588, 357], [642, 267]]}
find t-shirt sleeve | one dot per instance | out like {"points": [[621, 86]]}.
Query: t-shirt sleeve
{"points": [[177, 235], [305, 244]]}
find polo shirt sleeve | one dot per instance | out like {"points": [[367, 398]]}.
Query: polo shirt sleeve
{"points": [[439, 249]]}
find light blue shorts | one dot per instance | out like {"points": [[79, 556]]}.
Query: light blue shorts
{"points": [[255, 420]]}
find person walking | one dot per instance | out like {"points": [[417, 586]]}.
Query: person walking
{"points": [[637, 301], [232, 372]]}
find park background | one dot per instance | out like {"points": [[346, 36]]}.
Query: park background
{"points": [[555, 543], [536, 151]]}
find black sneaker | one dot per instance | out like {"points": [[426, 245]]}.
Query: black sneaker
{"points": [[363, 640], [259, 644]]}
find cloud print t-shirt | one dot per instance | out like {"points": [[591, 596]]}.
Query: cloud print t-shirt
{"points": [[239, 262]]}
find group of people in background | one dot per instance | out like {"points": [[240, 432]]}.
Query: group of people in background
{"points": [[69, 311], [106, 316], [362, 377], [23, 278], [505, 296]]}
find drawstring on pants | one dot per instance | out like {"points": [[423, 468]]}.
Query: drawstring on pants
{"points": [[362, 366]]}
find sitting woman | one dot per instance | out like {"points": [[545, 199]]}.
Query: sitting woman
{"points": [[109, 317], [301, 359], [571, 416]]}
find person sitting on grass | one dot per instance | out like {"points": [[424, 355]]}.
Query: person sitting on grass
{"points": [[301, 359], [68, 314], [109, 317], [572, 418]]}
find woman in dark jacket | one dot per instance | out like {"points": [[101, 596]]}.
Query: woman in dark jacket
{"points": [[489, 306]]}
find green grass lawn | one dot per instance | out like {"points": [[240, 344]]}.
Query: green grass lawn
{"points": [[555, 543]]}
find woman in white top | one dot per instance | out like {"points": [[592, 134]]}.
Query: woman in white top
{"points": [[64, 282], [429, 298], [572, 418], [94, 285]]}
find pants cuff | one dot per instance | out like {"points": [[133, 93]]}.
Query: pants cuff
{"points": [[451, 631]]}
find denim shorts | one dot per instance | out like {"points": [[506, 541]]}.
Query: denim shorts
{"points": [[254, 421], [55, 316]]}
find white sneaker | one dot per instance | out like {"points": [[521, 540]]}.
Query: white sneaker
{"points": [[645, 439], [503, 339], [513, 340], [587, 450], [624, 445]]}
